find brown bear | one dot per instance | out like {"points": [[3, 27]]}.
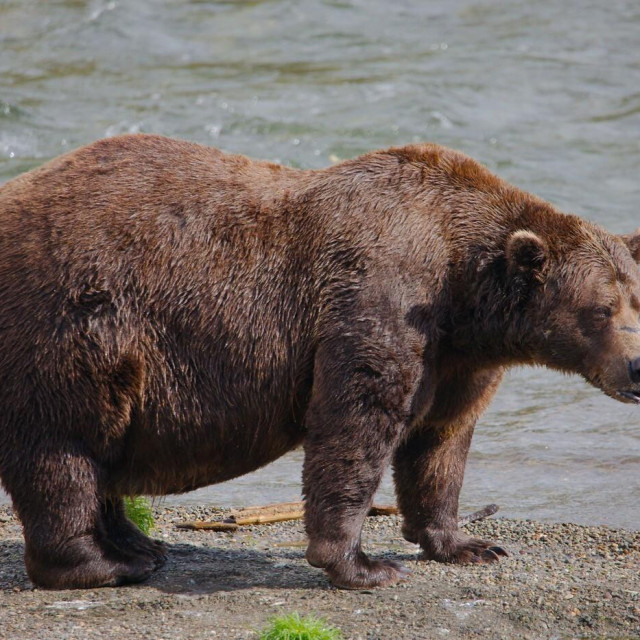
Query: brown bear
{"points": [[172, 317]]}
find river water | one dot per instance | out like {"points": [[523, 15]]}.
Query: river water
{"points": [[547, 94]]}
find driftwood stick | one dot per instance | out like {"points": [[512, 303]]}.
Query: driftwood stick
{"points": [[201, 525], [295, 510], [383, 510], [268, 518], [290, 511], [280, 507], [283, 511], [487, 511]]}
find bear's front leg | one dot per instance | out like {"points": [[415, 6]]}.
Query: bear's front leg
{"points": [[354, 421], [429, 470]]}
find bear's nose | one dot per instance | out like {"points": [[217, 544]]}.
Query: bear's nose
{"points": [[634, 370]]}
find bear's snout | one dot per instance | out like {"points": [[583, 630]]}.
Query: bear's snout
{"points": [[633, 394], [634, 370]]}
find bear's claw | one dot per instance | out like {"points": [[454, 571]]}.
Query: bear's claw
{"points": [[365, 573], [457, 548]]}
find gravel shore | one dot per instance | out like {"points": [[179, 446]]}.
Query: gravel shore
{"points": [[560, 581]]}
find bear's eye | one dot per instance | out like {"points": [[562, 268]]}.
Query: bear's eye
{"points": [[603, 313]]}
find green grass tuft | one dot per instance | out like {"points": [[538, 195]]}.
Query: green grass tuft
{"points": [[294, 627], [138, 510]]}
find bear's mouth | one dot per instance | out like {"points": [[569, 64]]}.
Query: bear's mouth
{"points": [[630, 396]]}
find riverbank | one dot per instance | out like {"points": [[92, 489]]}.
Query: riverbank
{"points": [[560, 581]]}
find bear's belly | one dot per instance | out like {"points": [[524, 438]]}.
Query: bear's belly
{"points": [[187, 458], [212, 425]]}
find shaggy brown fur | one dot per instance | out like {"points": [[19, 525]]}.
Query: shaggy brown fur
{"points": [[172, 317]]}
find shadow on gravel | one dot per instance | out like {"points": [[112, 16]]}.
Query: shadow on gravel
{"points": [[194, 569], [12, 571]]}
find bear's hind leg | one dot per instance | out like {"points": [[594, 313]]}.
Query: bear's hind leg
{"points": [[58, 500], [128, 538]]}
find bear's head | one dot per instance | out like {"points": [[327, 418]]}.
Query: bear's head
{"points": [[580, 290]]}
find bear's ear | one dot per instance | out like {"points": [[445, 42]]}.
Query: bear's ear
{"points": [[526, 254], [632, 240]]}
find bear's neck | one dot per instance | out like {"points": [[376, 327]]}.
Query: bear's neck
{"points": [[489, 322]]}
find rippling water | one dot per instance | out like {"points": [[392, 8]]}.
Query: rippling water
{"points": [[547, 94]]}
